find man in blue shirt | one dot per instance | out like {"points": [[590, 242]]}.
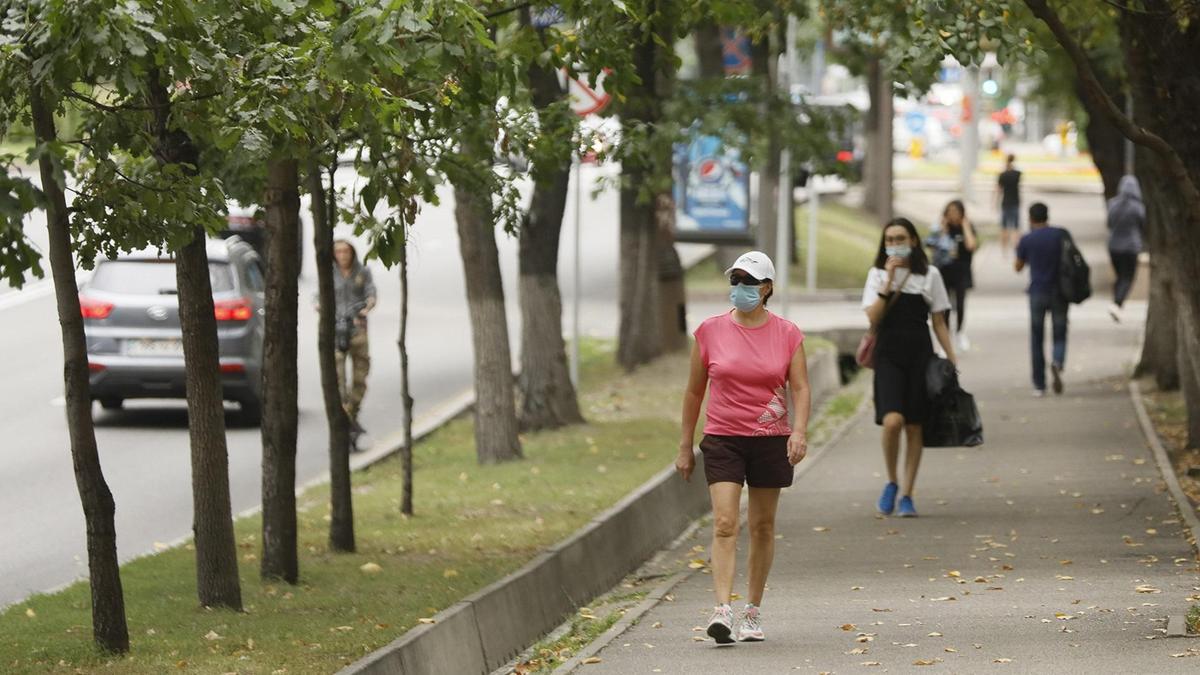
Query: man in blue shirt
{"points": [[1041, 250]]}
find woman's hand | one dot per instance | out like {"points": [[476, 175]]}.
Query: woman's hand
{"points": [[892, 264], [685, 463], [797, 447]]}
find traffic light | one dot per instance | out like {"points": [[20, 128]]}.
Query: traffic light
{"points": [[990, 86]]}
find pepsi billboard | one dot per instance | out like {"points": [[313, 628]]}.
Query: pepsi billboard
{"points": [[712, 192]]}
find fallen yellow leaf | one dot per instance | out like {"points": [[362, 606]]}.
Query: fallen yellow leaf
{"points": [[591, 660], [370, 568], [30, 613]]}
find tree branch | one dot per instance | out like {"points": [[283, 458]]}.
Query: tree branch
{"points": [[507, 10], [1176, 169], [70, 93], [113, 165]]}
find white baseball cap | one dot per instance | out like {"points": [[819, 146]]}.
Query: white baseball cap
{"points": [[754, 263]]}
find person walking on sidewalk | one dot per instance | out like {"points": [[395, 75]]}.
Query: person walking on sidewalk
{"points": [[1126, 219], [954, 242], [1041, 250], [354, 298], [1008, 194], [748, 359], [903, 291]]}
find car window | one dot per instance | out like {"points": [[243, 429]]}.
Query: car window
{"points": [[254, 274], [151, 277]]}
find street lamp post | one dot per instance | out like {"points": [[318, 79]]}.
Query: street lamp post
{"points": [[784, 220]]}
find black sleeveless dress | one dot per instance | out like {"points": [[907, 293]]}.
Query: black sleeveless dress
{"points": [[902, 352]]}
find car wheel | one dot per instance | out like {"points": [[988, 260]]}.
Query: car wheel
{"points": [[110, 403], [250, 410]]}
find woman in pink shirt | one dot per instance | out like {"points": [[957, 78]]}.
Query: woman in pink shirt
{"points": [[747, 359]]}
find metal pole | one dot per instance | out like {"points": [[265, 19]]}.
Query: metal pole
{"points": [[575, 289], [814, 208], [970, 132], [783, 240]]}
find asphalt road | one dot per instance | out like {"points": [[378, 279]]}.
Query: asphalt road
{"points": [[144, 448]]}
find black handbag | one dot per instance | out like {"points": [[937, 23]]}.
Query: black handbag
{"points": [[954, 421], [940, 377]]}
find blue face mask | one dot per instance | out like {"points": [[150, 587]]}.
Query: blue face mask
{"points": [[745, 298], [898, 251]]}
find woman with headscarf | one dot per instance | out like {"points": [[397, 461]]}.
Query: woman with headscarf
{"points": [[1126, 218]]}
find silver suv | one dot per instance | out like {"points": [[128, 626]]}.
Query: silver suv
{"points": [[131, 317]]}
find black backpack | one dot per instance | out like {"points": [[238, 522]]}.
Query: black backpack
{"points": [[1074, 275]]}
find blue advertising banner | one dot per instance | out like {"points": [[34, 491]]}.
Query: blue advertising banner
{"points": [[712, 192]]}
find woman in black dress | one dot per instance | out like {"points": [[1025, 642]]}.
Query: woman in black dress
{"points": [[954, 245], [902, 292]]}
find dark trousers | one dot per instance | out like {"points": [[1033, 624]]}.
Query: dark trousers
{"points": [[959, 296], [1039, 304], [1125, 265]]}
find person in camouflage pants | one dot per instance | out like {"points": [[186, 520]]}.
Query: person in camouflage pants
{"points": [[354, 298]]}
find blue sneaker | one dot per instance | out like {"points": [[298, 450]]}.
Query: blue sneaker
{"points": [[887, 500], [906, 510]]}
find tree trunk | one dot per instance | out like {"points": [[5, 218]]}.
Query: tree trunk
{"points": [[324, 209], [709, 50], [495, 408], [406, 450], [1160, 58], [710, 55], [217, 582], [877, 165], [1160, 338], [1105, 141], [1189, 370], [672, 295], [280, 415], [764, 60], [548, 398], [109, 629], [639, 337]]}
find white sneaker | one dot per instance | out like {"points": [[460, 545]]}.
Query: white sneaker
{"points": [[720, 626], [1114, 312], [1039, 393], [964, 343], [749, 625]]}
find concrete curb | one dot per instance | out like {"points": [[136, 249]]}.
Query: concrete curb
{"points": [[1182, 503], [656, 596], [486, 629]]}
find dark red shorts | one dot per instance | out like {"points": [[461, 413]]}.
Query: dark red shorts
{"points": [[757, 461]]}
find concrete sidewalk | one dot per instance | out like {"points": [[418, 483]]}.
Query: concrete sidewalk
{"points": [[1052, 548]]}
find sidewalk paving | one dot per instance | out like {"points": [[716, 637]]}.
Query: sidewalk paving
{"points": [[1051, 548]]}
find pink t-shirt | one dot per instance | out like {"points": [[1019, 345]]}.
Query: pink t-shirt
{"points": [[748, 375]]}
